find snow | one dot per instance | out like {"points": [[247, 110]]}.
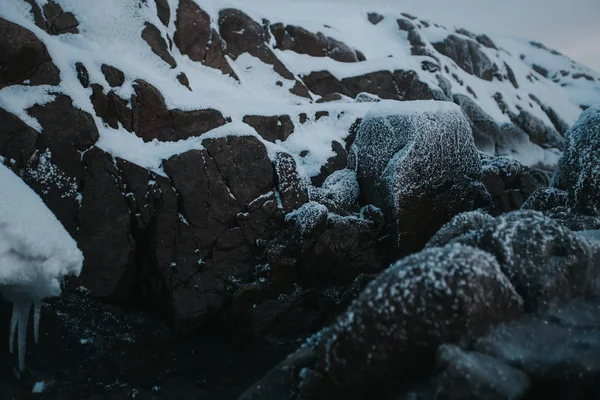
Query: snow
{"points": [[110, 32], [35, 254], [308, 217], [39, 387]]}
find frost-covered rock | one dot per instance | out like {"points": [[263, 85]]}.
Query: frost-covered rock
{"points": [[339, 192], [458, 226], [35, 254], [417, 161], [389, 335], [546, 262], [308, 217], [578, 172]]}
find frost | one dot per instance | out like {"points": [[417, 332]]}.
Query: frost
{"points": [[35, 254], [339, 192], [39, 387], [308, 217], [48, 175]]}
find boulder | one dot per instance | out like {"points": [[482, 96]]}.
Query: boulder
{"points": [[324, 83], [271, 128], [188, 124], [164, 11], [58, 21], [463, 375], [24, 57], [337, 162], [114, 76], [151, 118], [17, 141], [111, 108], [458, 226], [547, 263], [389, 335], [486, 131], [559, 351], [290, 186], [468, 56], [578, 171], [339, 192], [152, 35], [419, 165]]}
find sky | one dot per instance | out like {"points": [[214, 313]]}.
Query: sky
{"points": [[569, 26]]}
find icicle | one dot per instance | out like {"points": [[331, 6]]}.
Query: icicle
{"points": [[19, 321], [37, 308]]}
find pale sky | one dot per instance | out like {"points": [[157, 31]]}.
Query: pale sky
{"points": [[569, 26]]}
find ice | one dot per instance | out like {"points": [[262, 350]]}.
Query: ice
{"points": [[35, 254]]}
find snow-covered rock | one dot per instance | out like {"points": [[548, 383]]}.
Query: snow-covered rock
{"points": [[35, 254], [578, 172], [417, 161]]}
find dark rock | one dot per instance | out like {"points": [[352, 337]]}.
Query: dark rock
{"points": [[337, 162], [163, 11], [111, 108], [458, 226], [410, 87], [559, 124], [538, 132], [114, 76], [59, 21], [467, 54], [242, 34], [374, 18], [511, 76], [424, 184], [38, 17], [104, 223], [578, 171], [152, 35], [472, 375], [263, 220], [17, 141], [540, 70], [380, 83], [193, 30], [290, 186], [546, 199], [560, 351], [324, 83], [389, 335], [188, 124], [183, 79], [547, 263], [82, 74], [24, 57], [330, 97], [486, 41], [55, 171], [151, 118], [271, 128], [244, 165], [302, 41]]}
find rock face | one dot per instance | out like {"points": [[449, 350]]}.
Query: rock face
{"points": [[417, 165], [468, 55], [389, 335], [578, 171], [24, 57]]}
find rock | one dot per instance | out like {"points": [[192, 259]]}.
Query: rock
{"points": [[164, 11], [559, 124], [417, 175], [183, 79], [560, 351], [104, 222], [152, 35], [485, 130], [114, 76], [380, 83], [339, 192], [290, 186], [410, 87], [24, 57], [338, 162], [324, 83], [244, 165], [262, 221], [59, 21], [546, 199], [578, 171], [374, 18], [17, 141], [193, 30], [389, 335], [300, 40], [538, 132], [547, 263], [188, 124], [467, 54], [458, 226], [151, 118], [472, 375], [82, 74], [242, 34], [111, 108], [271, 128]]}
